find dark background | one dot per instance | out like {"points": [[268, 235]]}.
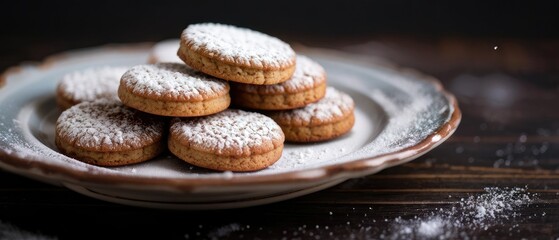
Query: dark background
{"points": [[32, 30], [504, 94]]}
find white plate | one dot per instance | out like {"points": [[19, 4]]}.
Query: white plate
{"points": [[400, 115]]}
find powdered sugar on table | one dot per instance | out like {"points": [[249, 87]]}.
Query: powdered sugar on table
{"points": [[477, 212]]}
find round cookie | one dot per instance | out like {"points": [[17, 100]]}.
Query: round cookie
{"points": [[107, 133], [165, 51], [329, 118], [307, 85], [232, 140], [88, 85], [236, 54], [173, 89]]}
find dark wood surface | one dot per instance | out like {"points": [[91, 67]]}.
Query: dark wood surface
{"points": [[508, 138]]}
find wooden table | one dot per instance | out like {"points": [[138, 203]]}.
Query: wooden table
{"points": [[508, 140]]}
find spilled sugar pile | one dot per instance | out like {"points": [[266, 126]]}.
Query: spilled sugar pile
{"points": [[475, 213], [9, 231], [470, 218]]}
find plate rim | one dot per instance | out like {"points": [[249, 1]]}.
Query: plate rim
{"points": [[350, 169]]}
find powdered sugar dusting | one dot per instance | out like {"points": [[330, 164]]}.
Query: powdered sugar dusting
{"points": [[17, 140], [224, 231], [414, 110], [91, 83], [403, 119], [477, 212], [231, 130], [368, 222], [240, 45], [107, 125], [165, 51], [335, 104], [308, 74], [10, 231], [173, 81]]}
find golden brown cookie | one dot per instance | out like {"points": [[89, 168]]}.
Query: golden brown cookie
{"points": [[232, 140], [236, 54], [107, 133], [165, 51], [307, 85], [88, 85], [326, 119], [173, 89]]}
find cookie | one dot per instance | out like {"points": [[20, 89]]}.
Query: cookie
{"points": [[236, 54], [165, 51], [173, 89], [329, 118], [107, 133], [88, 85], [232, 140], [307, 85]]}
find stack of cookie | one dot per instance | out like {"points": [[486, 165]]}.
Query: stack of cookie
{"points": [[231, 107], [268, 76]]}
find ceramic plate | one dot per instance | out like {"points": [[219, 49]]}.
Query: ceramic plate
{"points": [[400, 115]]}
